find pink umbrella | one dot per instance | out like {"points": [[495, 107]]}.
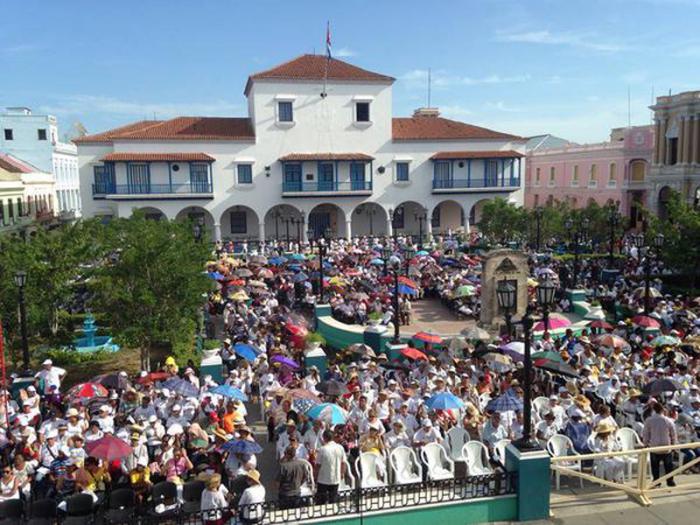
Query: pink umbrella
{"points": [[108, 448], [555, 321]]}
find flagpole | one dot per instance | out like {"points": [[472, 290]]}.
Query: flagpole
{"points": [[324, 94], [4, 378]]}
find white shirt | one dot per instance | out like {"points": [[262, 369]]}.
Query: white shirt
{"points": [[252, 496], [330, 460], [212, 500], [52, 376]]}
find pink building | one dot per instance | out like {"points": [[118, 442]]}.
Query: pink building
{"points": [[613, 171]]}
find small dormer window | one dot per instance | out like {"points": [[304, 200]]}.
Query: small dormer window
{"points": [[41, 134], [285, 111], [362, 111]]}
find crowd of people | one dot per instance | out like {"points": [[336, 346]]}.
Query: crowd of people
{"points": [[179, 425]]}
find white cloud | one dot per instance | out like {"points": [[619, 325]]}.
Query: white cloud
{"points": [[455, 111], [441, 79], [90, 104], [18, 49], [502, 106], [589, 41], [344, 52]]}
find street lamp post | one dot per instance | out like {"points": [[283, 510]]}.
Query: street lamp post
{"points": [[578, 236], [640, 240], [506, 294], [539, 212], [409, 252], [613, 221], [387, 254], [421, 218], [21, 281], [545, 298]]}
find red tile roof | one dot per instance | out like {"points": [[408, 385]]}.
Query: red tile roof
{"points": [[438, 128], [15, 165], [180, 128], [314, 67], [157, 157], [299, 157], [459, 155]]}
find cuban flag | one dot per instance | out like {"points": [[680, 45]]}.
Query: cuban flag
{"points": [[328, 40]]}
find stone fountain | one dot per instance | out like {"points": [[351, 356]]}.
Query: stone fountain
{"points": [[93, 343]]}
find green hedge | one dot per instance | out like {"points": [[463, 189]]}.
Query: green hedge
{"points": [[68, 357], [570, 256]]}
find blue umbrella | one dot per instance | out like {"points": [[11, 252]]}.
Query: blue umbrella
{"points": [[247, 352], [276, 261], [297, 257], [444, 401], [407, 290], [377, 262], [327, 265], [216, 275], [229, 391], [294, 267], [241, 446], [181, 386], [301, 276], [328, 413], [422, 253], [303, 405], [504, 403]]}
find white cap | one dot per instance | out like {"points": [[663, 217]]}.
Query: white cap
{"points": [[142, 462], [47, 362], [31, 388], [427, 423], [177, 408], [577, 412], [104, 408]]}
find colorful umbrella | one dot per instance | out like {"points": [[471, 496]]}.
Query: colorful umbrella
{"points": [[297, 257], [153, 377], [429, 338], [108, 448], [505, 403], [362, 349], [246, 351], [244, 272], [300, 277], [548, 355], [377, 262], [659, 386], [239, 296], [408, 282], [598, 323], [554, 322], [229, 391], [329, 413], [653, 292], [265, 274], [501, 359], [556, 367], [407, 290], [286, 361], [612, 341], [666, 340], [303, 405], [444, 401], [113, 380], [332, 388], [276, 261], [301, 393], [413, 353], [241, 446], [297, 330], [87, 391], [181, 386], [477, 334], [464, 291], [646, 322]]}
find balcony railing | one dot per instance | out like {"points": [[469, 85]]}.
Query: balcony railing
{"points": [[151, 189], [465, 184], [327, 186]]}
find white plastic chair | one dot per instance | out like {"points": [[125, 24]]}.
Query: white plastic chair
{"points": [[439, 465], [484, 400], [628, 439], [558, 446], [308, 488], [405, 466], [347, 482], [456, 438], [477, 458], [371, 468], [499, 451]]}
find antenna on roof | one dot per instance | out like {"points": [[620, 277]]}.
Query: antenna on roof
{"points": [[651, 111], [429, 85], [629, 107]]}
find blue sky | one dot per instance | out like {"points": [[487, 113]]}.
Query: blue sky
{"points": [[525, 67]]}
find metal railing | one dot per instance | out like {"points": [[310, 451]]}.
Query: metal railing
{"points": [[327, 186], [147, 189], [640, 488], [455, 184]]}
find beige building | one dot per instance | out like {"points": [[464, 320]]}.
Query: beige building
{"points": [[676, 161]]}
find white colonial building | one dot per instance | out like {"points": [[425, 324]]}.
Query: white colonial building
{"points": [[318, 149]]}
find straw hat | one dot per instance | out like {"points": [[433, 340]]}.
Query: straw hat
{"points": [[572, 388], [604, 427], [635, 393], [221, 434], [582, 400], [254, 475]]}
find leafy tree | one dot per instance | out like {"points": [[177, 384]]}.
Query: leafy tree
{"points": [[502, 221], [151, 285]]}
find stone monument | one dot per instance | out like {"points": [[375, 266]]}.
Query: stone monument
{"points": [[498, 265]]}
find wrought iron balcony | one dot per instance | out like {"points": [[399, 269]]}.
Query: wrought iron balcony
{"points": [[181, 190], [480, 184], [324, 187]]}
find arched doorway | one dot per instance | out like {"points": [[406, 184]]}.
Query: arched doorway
{"points": [[151, 213], [327, 216], [369, 218], [475, 212], [409, 218], [284, 222], [448, 217], [664, 198], [637, 171], [239, 223], [197, 215]]}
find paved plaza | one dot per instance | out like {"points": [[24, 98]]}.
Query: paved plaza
{"points": [[431, 315]]}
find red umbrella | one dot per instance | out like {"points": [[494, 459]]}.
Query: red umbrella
{"points": [[429, 338], [408, 282], [601, 324], [108, 448], [297, 330], [88, 391], [646, 322], [413, 353], [153, 377]]}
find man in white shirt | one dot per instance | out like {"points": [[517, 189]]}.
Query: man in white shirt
{"points": [[50, 375], [427, 433], [330, 469], [250, 504], [494, 431]]}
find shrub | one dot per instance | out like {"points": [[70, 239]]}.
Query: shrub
{"points": [[315, 337], [68, 357]]}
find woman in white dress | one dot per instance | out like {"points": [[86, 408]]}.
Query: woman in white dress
{"points": [[611, 468]]}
